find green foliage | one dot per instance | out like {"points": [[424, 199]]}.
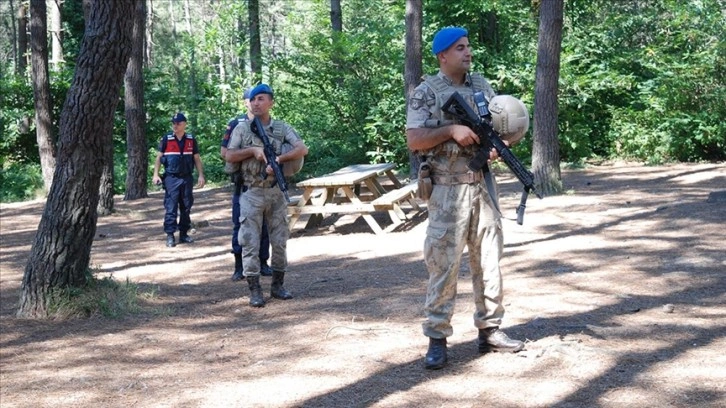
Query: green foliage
{"points": [[644, 80], [17, 142], [344, 83], [641, 80], [19, 181]]}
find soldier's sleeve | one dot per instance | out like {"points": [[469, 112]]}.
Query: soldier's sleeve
{"points": [[419, 107], [195, 145], [235, 139], [291, 135]]}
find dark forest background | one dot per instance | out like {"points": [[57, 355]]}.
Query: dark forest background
{"points": [[639, 80]]}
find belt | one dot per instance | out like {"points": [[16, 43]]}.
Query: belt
{"points": [[263, 185], [179, 175], [470, 177]]}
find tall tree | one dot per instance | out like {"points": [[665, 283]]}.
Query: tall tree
{"points": [[61, 249], [56, 33], [41, 91], [241, 45], [336, 16], [413, 68], [137, 151], [149, 35], [336, 23], [105, 185], [255, 47], [546, 145], [21, 61]]}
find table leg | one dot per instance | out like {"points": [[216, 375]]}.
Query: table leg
{"points": [[394, 179], [307, 193], [375, 187], [327, 197], [366, 216]]}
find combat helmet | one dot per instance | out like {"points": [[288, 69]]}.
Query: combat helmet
{"points": [[510, 118]]}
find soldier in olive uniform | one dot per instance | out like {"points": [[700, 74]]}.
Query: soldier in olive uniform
{"points": [[263, 199], [463, 206]]}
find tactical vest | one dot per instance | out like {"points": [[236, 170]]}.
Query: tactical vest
{"points": [[449, 157], [251, 169], [443, 91], [178, 161]]}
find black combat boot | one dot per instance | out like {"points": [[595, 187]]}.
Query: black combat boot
{"points": [[265, 269], [493, 339], [277, 291], [436, 355], [238, 275], [256, 299]]}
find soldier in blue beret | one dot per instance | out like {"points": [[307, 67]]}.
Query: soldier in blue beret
{"points": [[239, 187], [263, 200], [463, 205]]}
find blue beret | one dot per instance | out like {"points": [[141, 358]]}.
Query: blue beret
{"points": [[261, 89], [446, 37], [179, 117], [247, 92]]}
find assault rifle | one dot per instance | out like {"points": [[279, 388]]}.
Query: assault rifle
{"points": [[270, 156], [481, 124]]}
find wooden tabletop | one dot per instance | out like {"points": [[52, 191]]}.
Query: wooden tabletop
{"points": [[347, 176]]}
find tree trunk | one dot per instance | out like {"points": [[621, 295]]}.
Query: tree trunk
{"points": [[546, 147], [336, 16], [241, 58], [149, 40], [255, 48], [187, 17], [41, 91], [175, 43], [86, 10], [192, 96], [137, 151], [413, 70], [336, 23], [61, 249], [56, 33], [21, 57], [105, 186]]}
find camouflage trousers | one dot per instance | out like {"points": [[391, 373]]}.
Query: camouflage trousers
{"points": [[257, 204], [460, 216]]}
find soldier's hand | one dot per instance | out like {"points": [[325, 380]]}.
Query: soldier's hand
{"points": [[260, 154], [201, 182], [494, 154], [463, 135]]}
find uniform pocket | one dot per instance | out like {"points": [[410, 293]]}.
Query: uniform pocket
{"points": [[435, 232]]}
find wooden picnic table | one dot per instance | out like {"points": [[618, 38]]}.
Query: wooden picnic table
{"points": [[320, 196]]}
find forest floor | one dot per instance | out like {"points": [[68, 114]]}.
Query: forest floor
{"points": [[618, 288]]}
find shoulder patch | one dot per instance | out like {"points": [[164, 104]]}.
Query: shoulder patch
{"points": [[417, 99]]}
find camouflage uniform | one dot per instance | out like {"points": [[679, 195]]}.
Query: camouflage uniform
{"points": [[463, 212], [263, 198]]}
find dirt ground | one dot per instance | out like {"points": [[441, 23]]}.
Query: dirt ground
{"points": [[618, 288]]}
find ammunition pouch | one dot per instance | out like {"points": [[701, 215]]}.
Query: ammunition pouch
{"points": [[425, 186]]}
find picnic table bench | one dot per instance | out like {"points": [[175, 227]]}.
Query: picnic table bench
{"points": [[320, 196]]}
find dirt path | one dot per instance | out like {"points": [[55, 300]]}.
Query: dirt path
{"points": [[618, 287]]}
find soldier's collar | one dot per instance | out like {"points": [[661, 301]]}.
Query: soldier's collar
{"points": [[449, 82]]}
